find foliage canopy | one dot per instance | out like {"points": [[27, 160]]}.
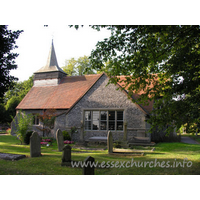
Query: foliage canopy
{"points": [[78, 66], [24, 123], [13, 97], [167, 57], [7, 58]]}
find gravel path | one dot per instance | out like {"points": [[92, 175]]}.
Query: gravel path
{"points": [[188, 140]]}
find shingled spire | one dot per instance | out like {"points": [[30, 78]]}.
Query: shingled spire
{"points": [[51, 70]]}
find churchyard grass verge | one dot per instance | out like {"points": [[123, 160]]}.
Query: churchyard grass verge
{"points": [[50, 161], [3, 132]]}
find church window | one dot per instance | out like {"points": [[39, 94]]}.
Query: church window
{"points": [[104, 120], [36, 120]]}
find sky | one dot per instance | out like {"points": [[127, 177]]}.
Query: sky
{"points": [[34, 45]]}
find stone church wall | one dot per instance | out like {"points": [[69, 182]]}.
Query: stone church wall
{"points": [[101, 96], [59, 122]]}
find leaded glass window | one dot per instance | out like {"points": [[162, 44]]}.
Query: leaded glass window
{"points": [[104, 120]]}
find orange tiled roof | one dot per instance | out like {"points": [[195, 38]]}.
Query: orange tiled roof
{"points": [[62, 96], [66, 94], [148, 108]]}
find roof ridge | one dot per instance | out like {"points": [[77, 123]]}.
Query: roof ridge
{"points": [[89, 87], [83, 75]]}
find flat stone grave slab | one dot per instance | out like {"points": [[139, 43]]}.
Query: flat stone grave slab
{"points": [[141, 144], [8, 156], [126, 152], [117, 150], [98, 139]]}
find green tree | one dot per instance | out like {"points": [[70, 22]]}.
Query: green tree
{"points": [[7, 58], [164, 61], [3, 114], [20, 89], [83, 66], [79, 67], [14, 96], [12, 103], [70, 66], [23, 123]]}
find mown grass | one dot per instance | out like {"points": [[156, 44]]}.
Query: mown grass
{"points": [[50, 161], [3, 132]]}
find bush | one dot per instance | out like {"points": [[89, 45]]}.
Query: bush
{"points": [[27, 137], [8, 131], [66, 135], [117, 144], [47, 140], [24, 123]]}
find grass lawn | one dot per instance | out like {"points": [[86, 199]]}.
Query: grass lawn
{"points": [[167, 155]]}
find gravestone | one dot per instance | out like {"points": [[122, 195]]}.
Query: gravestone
{"points": [[60, 139], [110, 142], [35, 146], [66, 156], [89, 162]]}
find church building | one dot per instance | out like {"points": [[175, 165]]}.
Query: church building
{"points": [[85, 102]]}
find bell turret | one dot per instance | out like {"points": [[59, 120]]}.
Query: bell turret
{"points": [[51, 73]]}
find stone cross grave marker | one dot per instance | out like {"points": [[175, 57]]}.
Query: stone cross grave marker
{"points": [[89, 162], [60, 140], [110, 142], [66, 155], [35, 146]]}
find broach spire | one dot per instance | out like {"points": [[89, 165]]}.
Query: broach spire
{"points": [[51, 64], [51, 73]]}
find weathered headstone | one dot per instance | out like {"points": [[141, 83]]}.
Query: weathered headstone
{"points": [[110, 142], [88, 169], [66, 156], [35, 146], [60, 140]]}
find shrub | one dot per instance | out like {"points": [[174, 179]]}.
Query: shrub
{"points": [[27, 137], [8, 131], [66, 135], [117, 144], [24, 123], [68, 142], [47, 140], [44, 143]]}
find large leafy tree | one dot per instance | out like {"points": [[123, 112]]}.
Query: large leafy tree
{"points": [[7, 58], [70, 66], [163, 61], [78, 66], [20, 89], [83, 63], [13, 97]]}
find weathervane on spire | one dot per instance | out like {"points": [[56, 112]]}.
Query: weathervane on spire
{"points": [[52, 35]]}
